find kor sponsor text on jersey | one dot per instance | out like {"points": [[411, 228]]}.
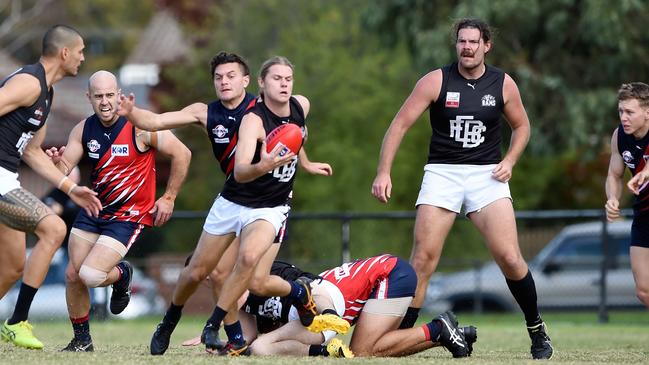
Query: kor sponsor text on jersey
{"points": [[115, 150]]}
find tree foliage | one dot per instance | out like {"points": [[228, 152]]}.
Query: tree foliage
{"points": [[357, 62]]}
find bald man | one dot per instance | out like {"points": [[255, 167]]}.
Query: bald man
{"points": [[25, 102], [123, 176]]}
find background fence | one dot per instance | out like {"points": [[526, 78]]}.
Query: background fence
{"points": [[577, 265]]}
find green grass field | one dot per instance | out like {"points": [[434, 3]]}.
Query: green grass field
{"points": [[578, 339]]}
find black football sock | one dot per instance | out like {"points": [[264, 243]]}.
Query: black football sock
{"points": [[24, 302], [524, 291], [173, 314], [235, 333], [217, 317], [81, 328]]}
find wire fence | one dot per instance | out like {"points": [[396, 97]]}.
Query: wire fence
{"points": [[578, 259]]}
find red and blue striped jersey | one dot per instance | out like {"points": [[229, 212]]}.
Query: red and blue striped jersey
{"points": [[123, 176], [358, 279]]}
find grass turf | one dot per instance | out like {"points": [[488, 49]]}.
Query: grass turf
{"points": [[578, 339]]}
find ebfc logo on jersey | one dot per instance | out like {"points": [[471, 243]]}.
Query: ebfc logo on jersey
{"points": [[119, 150], [452, 100], [488, 100], [220, 132], [628, 159], [466, 130]]}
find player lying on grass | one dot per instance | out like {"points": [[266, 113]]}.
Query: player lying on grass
{"points": [[372, 294]]}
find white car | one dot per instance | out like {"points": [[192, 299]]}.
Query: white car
{"points": [[566, 272], [49, 302]]}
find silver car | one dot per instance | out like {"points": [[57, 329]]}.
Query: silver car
{"points": [[567, 274]]}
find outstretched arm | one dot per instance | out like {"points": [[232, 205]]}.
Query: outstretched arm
{"points": [[425, 92], [144, 119], [614, 181], [167, 144]]}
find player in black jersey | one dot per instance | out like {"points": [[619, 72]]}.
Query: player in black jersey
{"points": [[630, 148], [25, 102], [255, 201], [214, 249], [466, 100]]}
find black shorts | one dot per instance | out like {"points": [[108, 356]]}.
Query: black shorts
{"points": [[640, 231]]}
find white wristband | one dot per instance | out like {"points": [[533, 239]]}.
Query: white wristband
{"points": [[58, 186], [71, 188]]}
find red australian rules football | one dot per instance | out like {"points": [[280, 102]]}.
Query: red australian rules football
{"points": [[288, 135]]}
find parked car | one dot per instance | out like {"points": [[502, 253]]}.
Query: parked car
{"points": [[567, 274], [49, 301]]}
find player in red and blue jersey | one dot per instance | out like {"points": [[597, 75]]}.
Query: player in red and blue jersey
{"points": [[630, 148], [123, 176], [373, 294]]}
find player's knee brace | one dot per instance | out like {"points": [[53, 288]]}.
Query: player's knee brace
{"points": [[92, 277]]}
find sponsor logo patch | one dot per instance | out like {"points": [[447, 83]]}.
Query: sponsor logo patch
{"points": [[119, 150], [93, 145], [452, 99], [628, 159], [221, 134]]}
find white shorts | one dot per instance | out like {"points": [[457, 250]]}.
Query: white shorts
{"points": [[228, 217], [453, 186], [8, 181]]}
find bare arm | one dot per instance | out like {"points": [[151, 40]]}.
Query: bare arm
{"points": [[250, 132], [167, 144], [69, 156], [21, 90], [614, 181], [425, 92], [144, 119], [516, 116], [36, 158], [314, 168]]}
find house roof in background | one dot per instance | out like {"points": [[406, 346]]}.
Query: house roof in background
{"points": [[161, 42]]}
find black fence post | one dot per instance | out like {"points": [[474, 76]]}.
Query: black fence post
{"points": [[477, 293], [345, 239], [603, 309]]}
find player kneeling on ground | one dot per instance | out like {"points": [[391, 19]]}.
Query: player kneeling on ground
{"points": [[372, 294]]}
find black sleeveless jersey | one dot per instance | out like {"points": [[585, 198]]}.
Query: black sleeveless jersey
{"points": [[466, 118], [222, 127], [273, 188], [19, 126], [635, 153]]}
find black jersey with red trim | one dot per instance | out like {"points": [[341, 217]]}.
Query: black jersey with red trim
{"points": [[18, 126], [222, 127], [356, 281], [465, 118], [275, 187], [123, 176], [635, 153]]}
